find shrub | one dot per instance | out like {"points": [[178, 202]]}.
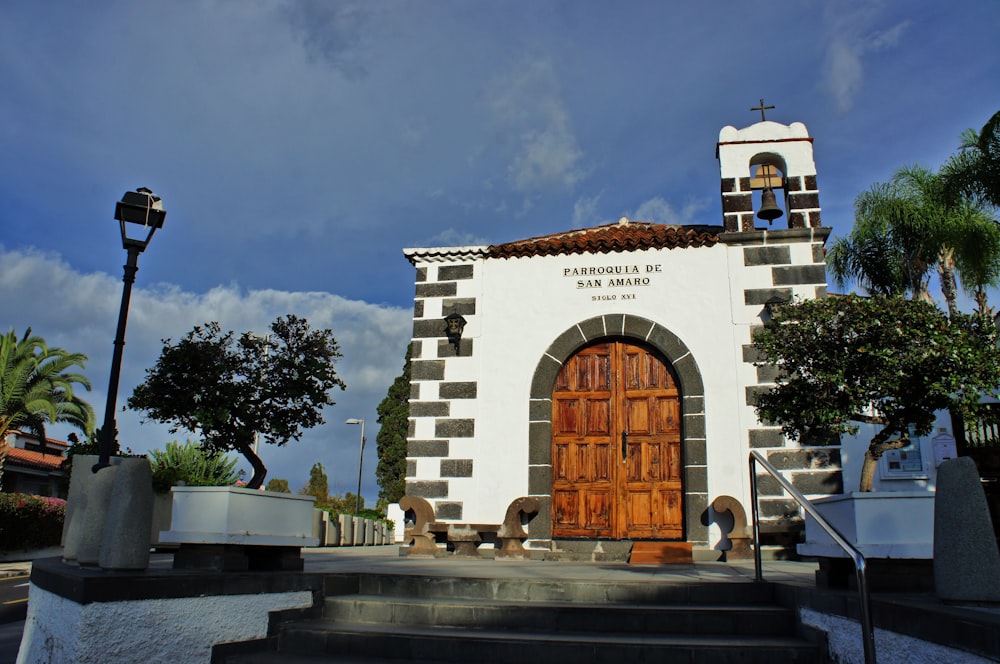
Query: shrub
{"points": [[193, 465], [30, 522]]}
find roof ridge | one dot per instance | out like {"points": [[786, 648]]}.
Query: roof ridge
{"points": [[623, 235]]}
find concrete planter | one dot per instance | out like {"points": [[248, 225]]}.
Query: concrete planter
{"points": [[231, 515], [881, 524]]}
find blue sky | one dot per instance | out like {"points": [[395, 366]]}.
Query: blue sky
{"points": [[299, 146]]}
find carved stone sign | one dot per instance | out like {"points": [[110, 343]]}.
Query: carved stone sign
{"points": [[612, 278]]}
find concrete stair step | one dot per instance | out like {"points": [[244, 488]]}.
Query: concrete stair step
{"points": [[445, 644], [551, 590], [700, 619]]}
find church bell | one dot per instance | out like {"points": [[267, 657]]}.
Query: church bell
{"points": [[769, 209]]}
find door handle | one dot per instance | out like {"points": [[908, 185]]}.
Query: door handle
{"points": [[624, 445]]}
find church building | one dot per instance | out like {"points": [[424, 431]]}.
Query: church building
{"points": [[608, 371]]}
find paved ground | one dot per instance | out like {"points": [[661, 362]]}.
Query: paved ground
{"points": [[386, 559]]}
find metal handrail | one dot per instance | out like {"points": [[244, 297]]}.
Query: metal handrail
{"points": [[860, 566]]}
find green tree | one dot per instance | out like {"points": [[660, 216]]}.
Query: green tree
{"points": [[192, 464], [886, 361], [908, 227], [345, 504], [975, 170], [317, 486], [226, 389], [37, 386], [394, 418], [278, 485]]}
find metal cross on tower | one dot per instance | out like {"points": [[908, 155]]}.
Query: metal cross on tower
{"points": [[761, 108]]}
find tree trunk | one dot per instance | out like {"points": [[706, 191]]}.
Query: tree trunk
{"points": [[876, 449], [981, 304], [946, 271], [259, 469]]}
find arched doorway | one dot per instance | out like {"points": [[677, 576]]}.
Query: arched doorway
{"points": [[616, 445]]}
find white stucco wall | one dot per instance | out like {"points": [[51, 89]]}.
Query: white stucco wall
{"points": [[524, 304], [738, 146], [853, 450], [154, 631], [528, 302]]}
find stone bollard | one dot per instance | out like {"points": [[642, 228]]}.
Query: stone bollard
{"points": [[369, 532], [125, 540], [359, 531], [379, 533], [346, 530], [321, 520], [333, 535], [966, 560]]}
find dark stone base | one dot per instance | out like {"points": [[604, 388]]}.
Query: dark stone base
{"points": [[84, 585], [238, 558], [884, 575]]}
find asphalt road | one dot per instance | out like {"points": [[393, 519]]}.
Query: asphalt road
{"points": [[13, 609]]}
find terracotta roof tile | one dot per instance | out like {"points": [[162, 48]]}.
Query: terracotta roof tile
{"points": [[31, 459], [618, 237]]}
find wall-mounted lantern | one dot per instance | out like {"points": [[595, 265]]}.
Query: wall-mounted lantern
{"points": [[772, 305], [453, 326]]}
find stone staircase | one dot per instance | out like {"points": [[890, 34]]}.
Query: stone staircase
{"points": [[376, 618]]}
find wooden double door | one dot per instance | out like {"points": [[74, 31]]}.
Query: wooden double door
{"points": [[616, 445]]}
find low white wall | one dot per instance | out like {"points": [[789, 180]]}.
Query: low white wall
{"points": [[60, 631]]}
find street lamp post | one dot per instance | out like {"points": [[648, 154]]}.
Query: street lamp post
{"points": [[142, 208], [361, 461]]}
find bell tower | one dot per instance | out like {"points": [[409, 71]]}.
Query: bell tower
{"points": [[775, 160]]}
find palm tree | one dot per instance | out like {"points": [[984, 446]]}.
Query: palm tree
{"points": [[905, 228], [880, 254], [975, 170], [36, 386]]}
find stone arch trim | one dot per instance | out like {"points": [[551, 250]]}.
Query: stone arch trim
{"points": [[692, 409]]}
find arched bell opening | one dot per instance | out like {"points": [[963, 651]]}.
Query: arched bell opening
{"points": [[767, 184]]}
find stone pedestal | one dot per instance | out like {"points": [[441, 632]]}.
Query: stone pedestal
{"points": [[81, 614], [966, 560], [94, 516], [80, 477], [125, 538]]}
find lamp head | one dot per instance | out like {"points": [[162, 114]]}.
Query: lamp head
{"points": [[142, 208]]}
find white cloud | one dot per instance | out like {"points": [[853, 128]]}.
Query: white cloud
{"points": [[844, 73], [455, 238], [851, 41], [79, 312], [534, 128], [658, 211], [585, 212]]}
